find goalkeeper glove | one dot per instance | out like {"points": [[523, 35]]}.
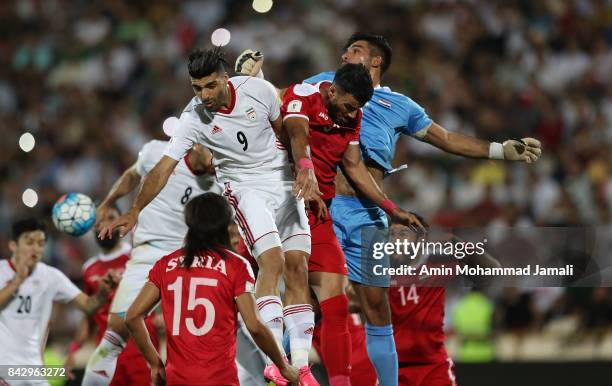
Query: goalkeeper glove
{"points": [[525, 149], [249, 63]]}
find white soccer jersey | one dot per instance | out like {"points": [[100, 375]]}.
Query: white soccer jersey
{"points": [[161, 223], [243, 143], [25, 318]]}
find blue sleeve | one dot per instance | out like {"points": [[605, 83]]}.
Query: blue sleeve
{"points": [[329, 75], [416, 119]]}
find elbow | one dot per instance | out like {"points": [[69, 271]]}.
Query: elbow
{"points": [[132, 319]]}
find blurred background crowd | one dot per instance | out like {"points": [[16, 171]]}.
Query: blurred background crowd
{"points": [[93, 81]]}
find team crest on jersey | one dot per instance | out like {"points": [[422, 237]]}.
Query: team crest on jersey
{"points": [[216, 130], [295, 106], [250, 113]]}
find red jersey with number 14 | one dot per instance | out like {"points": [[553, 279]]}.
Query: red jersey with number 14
{"points": [[200, 312], [328, 141], [418, 323]]}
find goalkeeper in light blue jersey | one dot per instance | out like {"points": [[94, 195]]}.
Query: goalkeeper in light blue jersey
{"points": [[386, 117]]}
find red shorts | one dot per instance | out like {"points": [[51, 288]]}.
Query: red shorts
{"points": [[427, 374], [325, 253]]}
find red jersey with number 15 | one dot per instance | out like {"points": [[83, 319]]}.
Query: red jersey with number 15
{"points": [[200, 313], [328, 141]]}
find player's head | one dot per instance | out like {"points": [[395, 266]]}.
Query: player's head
{"points": [[208, 217], [27, 242], [108, 243], [208, 75], [373, 51], [351, 89]]}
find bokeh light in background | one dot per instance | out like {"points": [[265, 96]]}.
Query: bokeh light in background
{"points": [[220, 37], [27, 142], [29, 198], [170, 125], [262, 6]]}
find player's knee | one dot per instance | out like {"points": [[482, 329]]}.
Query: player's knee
{"points": [[296, 269]]}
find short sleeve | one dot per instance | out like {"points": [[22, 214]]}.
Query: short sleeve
{"points": [[329, 75], [417, 120], [296, 102], [271, 99], [143, 154], [156, 274], [244, 280], [65, 290], [183, 139]]}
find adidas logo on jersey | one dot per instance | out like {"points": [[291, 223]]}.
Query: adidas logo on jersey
{"points": [[309, 331], [216, 130]]}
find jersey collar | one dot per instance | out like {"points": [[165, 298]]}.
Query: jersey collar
{"points": [[229, 109]]}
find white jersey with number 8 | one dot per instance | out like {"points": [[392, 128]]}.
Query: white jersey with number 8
{"points": [[161, 223]]}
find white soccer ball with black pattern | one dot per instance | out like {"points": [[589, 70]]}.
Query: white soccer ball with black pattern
{"points": [[74, 214]]}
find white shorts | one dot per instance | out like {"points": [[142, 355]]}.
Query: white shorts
{"points": [[136, 274], [268, 215]]}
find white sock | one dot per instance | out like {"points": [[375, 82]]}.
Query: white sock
{"points": [[101, 366], [299, 320], [271, 312]]}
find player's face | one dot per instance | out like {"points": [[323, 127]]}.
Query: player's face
{"points": [[29, 248], [342, 106], [211, 89], [358, 53]]}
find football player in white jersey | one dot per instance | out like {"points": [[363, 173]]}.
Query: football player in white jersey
{"points": [[160, 231], [28, 289], [242, 132]]}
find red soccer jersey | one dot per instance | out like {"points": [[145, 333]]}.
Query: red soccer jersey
{"points": [[93, 271], [418, 323], [200, 314], [328, 141]]}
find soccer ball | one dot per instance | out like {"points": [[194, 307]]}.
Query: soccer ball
{"points": [[74, 214]]}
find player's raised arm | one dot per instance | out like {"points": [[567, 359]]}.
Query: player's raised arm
{"points": [[525, 149], [148, 297], [129, 180], [263, 336], [354, 167], [153, 183], [91, 304]]}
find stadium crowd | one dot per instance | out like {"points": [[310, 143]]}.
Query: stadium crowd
{"points": [[94, 80]]}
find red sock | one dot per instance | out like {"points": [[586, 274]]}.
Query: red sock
{"points": [[335, 338]]}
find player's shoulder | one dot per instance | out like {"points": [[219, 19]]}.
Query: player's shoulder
{"points": [[327, 75], [239, 261], [250, 84], [388, 98], [154, 148], [304, 89], [89, 263], [190, 107]]}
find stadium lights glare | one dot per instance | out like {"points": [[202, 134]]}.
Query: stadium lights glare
{"points": [[29, 198], [262, 6], [27, 142], [220, 37], [170, 125]]}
